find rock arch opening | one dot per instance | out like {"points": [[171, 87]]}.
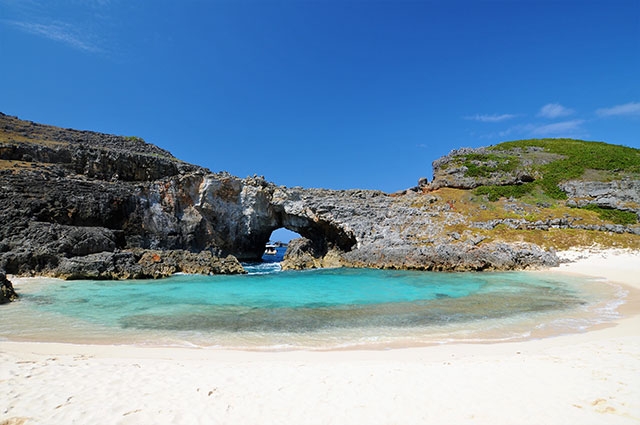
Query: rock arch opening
{"points": [[240, 220], [322, 236], [283, 235], [277, 245]]}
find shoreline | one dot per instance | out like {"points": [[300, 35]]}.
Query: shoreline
{"points": [[588, 378], [488, 331]]}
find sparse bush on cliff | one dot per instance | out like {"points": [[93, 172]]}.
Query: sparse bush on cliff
{"points": [[615, 216], [511, 191]]}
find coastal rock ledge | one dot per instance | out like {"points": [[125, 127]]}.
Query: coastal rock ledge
{"points": [[79, 204]]}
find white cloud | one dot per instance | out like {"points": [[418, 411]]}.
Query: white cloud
{"points": [[57, 31], [491, 118], [563, 128], [554, 110], [628, 109]]}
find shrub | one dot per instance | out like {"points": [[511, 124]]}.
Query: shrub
{"points": [[511, 191], [615, 216]]}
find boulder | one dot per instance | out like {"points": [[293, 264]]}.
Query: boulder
{"points": [[142, 264], [302, 254], [157, 264], [7, 293], [101, 266]]}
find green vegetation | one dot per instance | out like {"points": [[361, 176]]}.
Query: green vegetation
{"points": [[483, 165], [615, 216], [571, 159], [134, 138], [511, 191], [580, 156]]}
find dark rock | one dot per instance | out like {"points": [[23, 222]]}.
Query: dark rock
{"points": [[142, 264], [7, 293], [156, 264], [102, 266], [303, 253]]}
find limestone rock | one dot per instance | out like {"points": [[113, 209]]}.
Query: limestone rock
{"points": [[468, 168], [142, 264], [102, 266], [303, 253], [157, 264], [618, 194]]}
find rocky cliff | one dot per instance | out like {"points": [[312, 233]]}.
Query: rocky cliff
{"points": [[81, 204]]}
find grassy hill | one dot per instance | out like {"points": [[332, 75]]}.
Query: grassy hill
{"points": [[553, 192]]}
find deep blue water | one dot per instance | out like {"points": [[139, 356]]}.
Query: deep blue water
{"points": [[331, 307]]}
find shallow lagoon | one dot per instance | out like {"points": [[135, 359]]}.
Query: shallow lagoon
{"points": [[316, 309]]}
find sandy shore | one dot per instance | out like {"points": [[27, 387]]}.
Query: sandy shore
{"points": [[588, 378]]}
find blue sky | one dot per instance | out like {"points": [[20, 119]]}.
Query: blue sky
{"points": [[335, 94]]}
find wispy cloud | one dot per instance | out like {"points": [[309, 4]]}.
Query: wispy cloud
{"points": [[562, 128], [491, 118], [58, 31], [503, 134], [83, 25], [554, 110], [628, 109], [551, 120]]}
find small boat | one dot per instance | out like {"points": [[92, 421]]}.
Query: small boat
{"points": [[270, 250]]}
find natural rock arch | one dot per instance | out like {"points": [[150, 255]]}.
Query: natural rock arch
{"points": [[322, 234], [240, 215]]}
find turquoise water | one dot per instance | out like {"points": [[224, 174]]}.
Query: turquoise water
{"points": [[319, 308]]}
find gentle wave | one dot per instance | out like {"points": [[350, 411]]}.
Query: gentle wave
{"points": [[262, 268]]}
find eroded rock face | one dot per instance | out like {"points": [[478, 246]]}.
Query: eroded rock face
{"points": [[468, 168], [241, 214], [619, 194]]}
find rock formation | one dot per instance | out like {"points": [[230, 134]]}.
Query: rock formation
{"points": [[468, 168], [622, 195], [7, 293], [79, 204]]}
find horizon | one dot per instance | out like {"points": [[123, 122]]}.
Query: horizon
{"points": [[323, 94]]}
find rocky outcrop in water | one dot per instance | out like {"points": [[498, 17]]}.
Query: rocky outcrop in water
{"points": [[7, 293], [145, 264]]}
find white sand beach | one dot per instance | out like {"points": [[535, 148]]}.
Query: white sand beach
{"points": [[586, 378]]}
